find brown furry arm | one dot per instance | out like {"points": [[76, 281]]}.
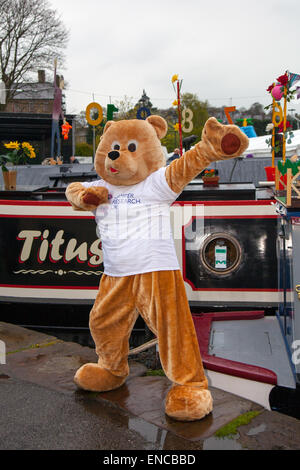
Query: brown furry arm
{"points": [[184, 169], [86, 199], [219, 142]]}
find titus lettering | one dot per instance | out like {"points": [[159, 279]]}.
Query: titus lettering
{"points": [[35, 242]]}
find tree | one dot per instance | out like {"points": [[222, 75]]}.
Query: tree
{"points": [[200, 116], [257, 110], [31, 37], [200, 112], [125, 107], [84, 150], [81, 119]]}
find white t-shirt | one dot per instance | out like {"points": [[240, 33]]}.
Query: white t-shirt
{"points": [[135, 227]]}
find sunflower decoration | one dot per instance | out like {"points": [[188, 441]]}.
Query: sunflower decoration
{"points": [[18, 154], [13, 145], [28, 150]]}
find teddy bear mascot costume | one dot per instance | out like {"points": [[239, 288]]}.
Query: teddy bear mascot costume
{"points": [[131, 202]]}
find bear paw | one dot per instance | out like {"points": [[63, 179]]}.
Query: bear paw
{"points": [[187, 403], [94, 196], [223, 141], [96, 379]]}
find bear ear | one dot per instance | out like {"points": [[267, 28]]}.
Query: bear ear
{"points": [[159, 124], [107, 125]]}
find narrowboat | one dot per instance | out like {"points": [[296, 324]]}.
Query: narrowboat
{"points": [[235, 259]]}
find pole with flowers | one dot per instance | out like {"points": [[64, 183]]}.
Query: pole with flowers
{"points": [[284, 172], [17, 154], [277, 116], [177, 88], [278, 90]]}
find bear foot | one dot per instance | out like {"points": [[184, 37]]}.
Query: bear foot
{"points": [[187, 403], [96, 379]]}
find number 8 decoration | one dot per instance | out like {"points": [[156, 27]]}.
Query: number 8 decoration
{"points": [[187, 124]]}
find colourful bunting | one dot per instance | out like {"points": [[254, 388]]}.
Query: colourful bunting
{"points": [[294, 78]]}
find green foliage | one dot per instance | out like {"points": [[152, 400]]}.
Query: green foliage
{"points": [[230, 429], [126, 109], [260, 126], [171, 141], [35, 346], [84, 150], [16, 154], [200, 116], [158, 372], [129, 114]]}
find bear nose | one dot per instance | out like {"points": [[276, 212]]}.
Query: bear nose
{"points": [[113, 155]]}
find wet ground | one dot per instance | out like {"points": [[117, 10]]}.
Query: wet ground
{"points": [[41, 407]]}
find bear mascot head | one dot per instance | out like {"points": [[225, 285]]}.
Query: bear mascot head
{"points": [[131, 203], [130, 151]]}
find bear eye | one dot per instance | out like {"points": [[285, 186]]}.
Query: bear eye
{"points": [[132, 145], [115, 145]]}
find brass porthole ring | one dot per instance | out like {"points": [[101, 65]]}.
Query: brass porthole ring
{"points": [[232, 253]]}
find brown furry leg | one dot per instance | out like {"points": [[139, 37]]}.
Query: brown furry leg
{"points": [[162, 301], [111, 321]]}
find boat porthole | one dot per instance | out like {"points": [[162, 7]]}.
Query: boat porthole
{"points": [[220, 253]]}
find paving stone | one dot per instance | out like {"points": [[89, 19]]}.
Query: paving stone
{"points": [[271, 431], [49, 363], [16, 337], [144, 397]]}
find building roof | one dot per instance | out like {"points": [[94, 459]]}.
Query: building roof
{"points": [[34, 91]]}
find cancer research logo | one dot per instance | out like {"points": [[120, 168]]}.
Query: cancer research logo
{"points": [[2, 352]]}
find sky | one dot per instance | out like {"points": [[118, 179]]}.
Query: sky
{"points": [[226, 52]]}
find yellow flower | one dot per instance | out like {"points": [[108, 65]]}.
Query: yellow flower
{"points": [[176, 127], [28, 149], [13, 145], [174, 78], [175, 103]]}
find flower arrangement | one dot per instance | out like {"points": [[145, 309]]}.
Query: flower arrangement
{"points": [[210, 177], [282, 88], [210, 173], [287, 126], [17, 154]]}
